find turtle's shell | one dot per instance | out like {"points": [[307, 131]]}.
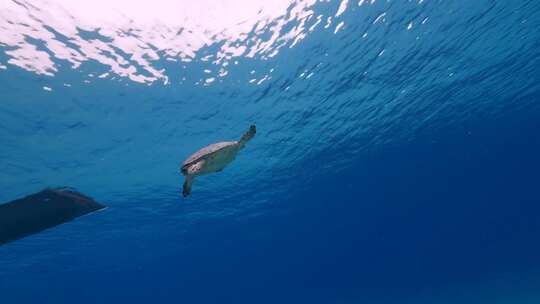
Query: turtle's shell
{"points": [[204, 152]]}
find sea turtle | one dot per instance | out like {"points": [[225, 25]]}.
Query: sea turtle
{"points": [[212, 158]]}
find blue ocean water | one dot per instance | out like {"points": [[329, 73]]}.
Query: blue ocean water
{"points": [[396, 158]]}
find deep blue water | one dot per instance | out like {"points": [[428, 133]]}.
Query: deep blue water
{"points": [[396, 158]]}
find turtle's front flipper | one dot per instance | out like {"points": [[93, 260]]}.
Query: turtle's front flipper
{"points": [[187, 185]]}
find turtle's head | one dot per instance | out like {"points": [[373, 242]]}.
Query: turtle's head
{"points": [[249, 134], [253, 129]]}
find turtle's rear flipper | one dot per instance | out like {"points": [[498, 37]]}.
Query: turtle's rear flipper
{"points": [[187, 186]]}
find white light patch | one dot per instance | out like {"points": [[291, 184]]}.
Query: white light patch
{"points": [[379, 18], [409, 27], [342, 7], [129, 36], [339, 26]]}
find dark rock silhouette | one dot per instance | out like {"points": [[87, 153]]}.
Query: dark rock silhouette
{"points": [[42, 210]]}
